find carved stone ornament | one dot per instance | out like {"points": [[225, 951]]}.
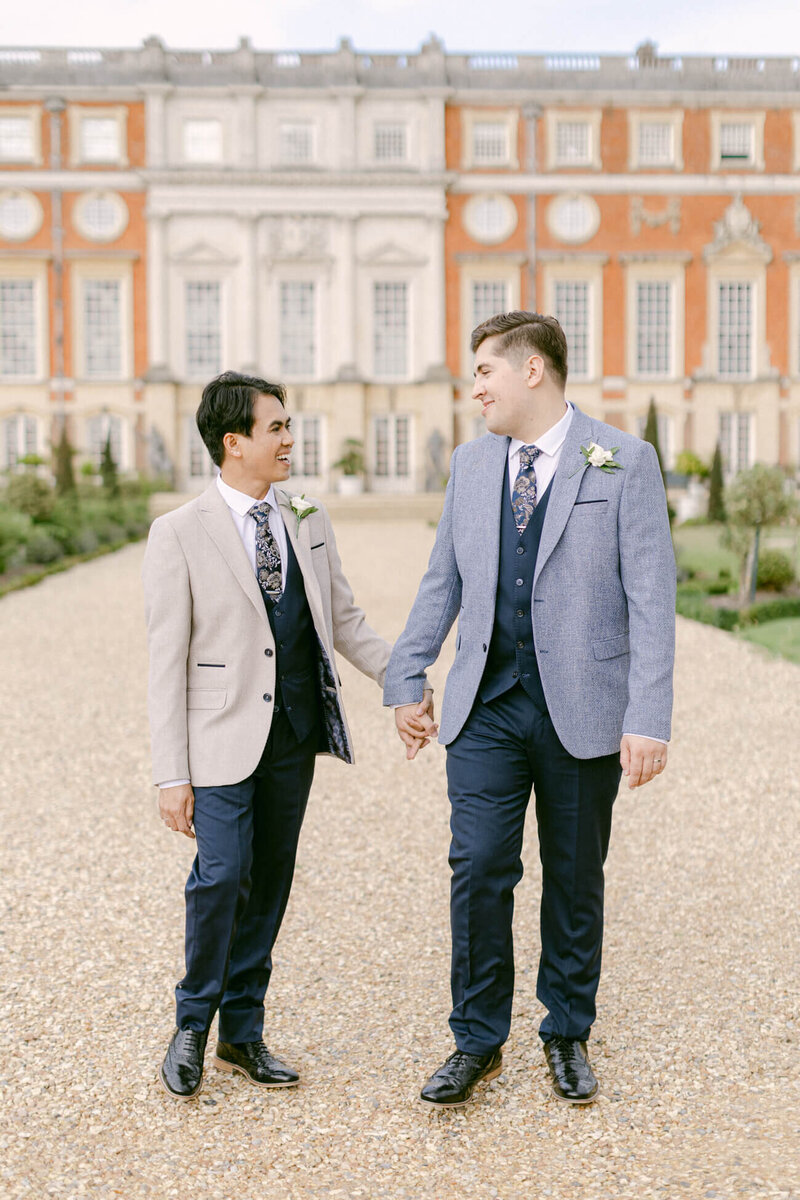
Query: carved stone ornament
{"points": [[298, 237], [738, 227], [671, 215]]}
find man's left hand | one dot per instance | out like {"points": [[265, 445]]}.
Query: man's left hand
{"points": [[641, 759], [415, 724]]}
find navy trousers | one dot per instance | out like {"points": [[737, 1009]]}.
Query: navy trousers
{"points": [[508, 747], [239, 885]]}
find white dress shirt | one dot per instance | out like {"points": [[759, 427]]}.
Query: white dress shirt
{"points": [[239, 505], [544, 467]]}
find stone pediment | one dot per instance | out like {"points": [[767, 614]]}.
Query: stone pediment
{"points": [[738, 235], [392, 254], [203, 253]]}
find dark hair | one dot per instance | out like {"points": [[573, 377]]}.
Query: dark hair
{"points": [[227, 407], [521, 334]]}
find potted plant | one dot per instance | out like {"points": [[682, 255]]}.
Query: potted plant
{"points": [[351, 464]]}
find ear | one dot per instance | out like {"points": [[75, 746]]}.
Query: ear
{"points": [[231, 443], [533, 370]]}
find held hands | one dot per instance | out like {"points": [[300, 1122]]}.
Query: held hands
{"points": [[641, 759], [176, 808], [415, 724]]}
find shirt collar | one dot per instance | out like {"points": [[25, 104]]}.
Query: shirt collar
{"points": [[552, 440], [240, 502]]}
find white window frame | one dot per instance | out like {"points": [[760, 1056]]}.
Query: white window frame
{"points": [[294, 124], [33, 114], [477, 271], [303, 423], [576, 371], [672, 274], [25, 431], [750, 371], [390, 128], [392, 480], [376, 371], [192, 157], [472, 117], [637, 119], [120, 428], [36, 274], [197, 454], [734, 462], [558, 116], [589, 272], [756, 121], [77, 114], [112, 271], [288, 369], [202, 372]]}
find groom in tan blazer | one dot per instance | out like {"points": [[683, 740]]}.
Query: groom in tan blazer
{"points": [[246, 603]]}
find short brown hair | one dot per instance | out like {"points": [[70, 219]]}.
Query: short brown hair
{"points": [[523, 333], [226, 406]]}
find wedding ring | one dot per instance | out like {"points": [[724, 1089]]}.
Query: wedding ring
{"points": [[656, 760]]}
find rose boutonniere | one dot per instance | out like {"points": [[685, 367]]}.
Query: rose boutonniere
{"points": [[596, 456], [301, 508]]}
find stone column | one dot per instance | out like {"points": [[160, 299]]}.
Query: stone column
{"points": [[347, 291], [156, 124], [246, 122], [250, 276], [157, 297], [531, 114]]}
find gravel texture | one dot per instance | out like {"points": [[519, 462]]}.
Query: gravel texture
{"points": [[699, 1010]]}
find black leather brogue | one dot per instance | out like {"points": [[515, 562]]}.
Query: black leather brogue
{"points": [[181, 1072], [453, 1084], [254, 1060], [573, 1077]]}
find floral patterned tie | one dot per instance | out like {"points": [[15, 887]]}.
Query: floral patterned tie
{"points": [[268, 556], [523, 498]]}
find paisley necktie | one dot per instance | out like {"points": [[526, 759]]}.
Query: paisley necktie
{"points": [[523, 498], [268, 556]]}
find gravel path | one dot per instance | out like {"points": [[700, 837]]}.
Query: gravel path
{"points": [[696, 1044]]}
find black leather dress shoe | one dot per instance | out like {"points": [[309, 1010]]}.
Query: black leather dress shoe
{"points": [[254, 1060], [181, 1072], [573, 1078], [452, 1085]]}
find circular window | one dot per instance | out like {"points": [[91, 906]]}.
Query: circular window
{"points": [[100, 216], [20, 215], [573, 218], [490, 218]]}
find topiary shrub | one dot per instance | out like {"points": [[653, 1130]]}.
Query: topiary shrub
{"points": [[86, 541], [31, 496], [775, 570], [42, 546], [14, 529]]}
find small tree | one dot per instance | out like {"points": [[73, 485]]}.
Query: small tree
{"points": [[108, 470], [755, 498], [716, 488], [64, 474], [651, 435]]}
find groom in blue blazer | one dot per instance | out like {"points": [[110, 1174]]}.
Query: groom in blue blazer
{"points": [[554, 553]]}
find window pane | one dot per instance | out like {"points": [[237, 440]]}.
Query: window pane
{"points": [[736, 441], [297, 142], [390, 318], [392, 446], [17, 327], [308, 445], [653, 328], [16, 138], [382, 446], [735, 142], [202, 141], [489, 297], [102, 328], [99, 429], [203, 329], [201, 465], [655, 144], [390, 142], [490, 142], [572, 142], [99, 139], [735, 339], [402, 452], [298, 328], [20, 437], [572, 311]]}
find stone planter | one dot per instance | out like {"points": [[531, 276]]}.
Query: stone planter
{"points": [[350, 485]]}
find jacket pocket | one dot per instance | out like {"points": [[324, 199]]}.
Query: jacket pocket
{"points": [[612, 647], [206, 697], [577, 502]]}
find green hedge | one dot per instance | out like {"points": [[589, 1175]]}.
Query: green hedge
{"points": [[771, 610], [691, 603]]}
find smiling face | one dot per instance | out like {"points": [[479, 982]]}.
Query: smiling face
{"points": [[505, 391], [264, 457]]}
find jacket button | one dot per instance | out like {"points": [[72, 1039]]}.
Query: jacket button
{"points": [[267, 697], [520, 582], [520, 549], [514, 674], [520, 645], [278, 612], [268, 652], [520, 612]]}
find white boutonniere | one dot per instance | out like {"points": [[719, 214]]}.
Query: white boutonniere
{"points": [[596, 456], [301, 508]]}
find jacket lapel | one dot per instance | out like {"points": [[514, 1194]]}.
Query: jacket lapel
{"points": [[216, 520], [301, 544], [564, 488]]}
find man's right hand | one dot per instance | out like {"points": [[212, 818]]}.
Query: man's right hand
{"points": [[176, 807], [415, 724]]}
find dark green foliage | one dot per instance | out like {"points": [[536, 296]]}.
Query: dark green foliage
{"points": [[14, 529], [62, 466], [651, 434], [716, 488], [775, 570], [42, 547], [30, 495], [108, 470], [771, 610]]}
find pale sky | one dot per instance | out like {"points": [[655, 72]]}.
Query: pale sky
{"points": [[535, 26]]}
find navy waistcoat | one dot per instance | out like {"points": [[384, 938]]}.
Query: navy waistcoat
{"points": [[296, 652], [512, 657]]}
